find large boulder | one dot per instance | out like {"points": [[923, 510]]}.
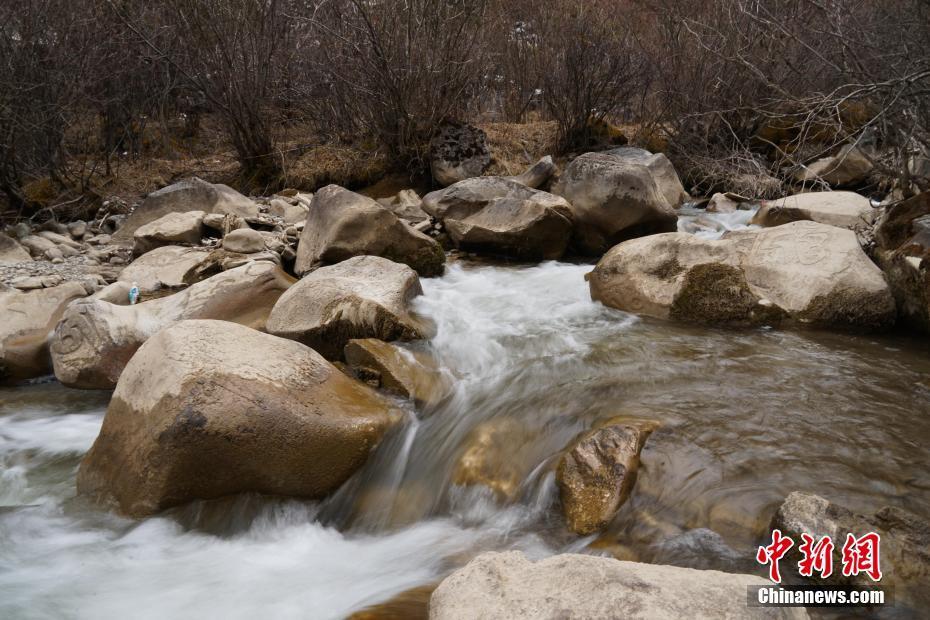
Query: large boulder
{"points": [[411, 374], [95, 339], [662, 170], [362, 297], [802, 272], [171, 229], [191, 194], [614, 198], [848, 167], [497, 215], [210, 408], [508, 585], [166, 268], [343, 224], [905, 543], [11, 252], [597, 472], [458, 152], [842, 209], [27, 320], [902, 240]]}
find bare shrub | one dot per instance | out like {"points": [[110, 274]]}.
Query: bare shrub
{"points": [[590, 66], [396, 70]]}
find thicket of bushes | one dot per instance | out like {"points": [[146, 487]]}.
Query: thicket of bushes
{"points": [[736, 91]]}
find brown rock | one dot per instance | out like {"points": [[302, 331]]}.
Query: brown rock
{"points": [[362, 297], [244, 241], [170, 229], [848, 167], [842, 209], [458, 152], [27, 320], [95, 340], [498, 216], [802, 272], [597, 472], [413, 375], [197, 414], [343, 224], [612, 199], [191, 194]]}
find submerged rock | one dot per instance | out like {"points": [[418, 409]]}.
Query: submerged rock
{"points": [[614, 198], [198, 414], [508, 585], [802, 272], [170, 229], [28, 317], [496, 215], [842, 209], [343, 224], [413, 375], [95, 339], [491, 457], [597, 472], [362, 297]]}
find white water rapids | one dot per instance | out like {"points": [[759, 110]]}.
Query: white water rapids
{"points": [[747, 416]]}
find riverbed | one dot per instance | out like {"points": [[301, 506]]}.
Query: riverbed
{"points": [[746, 415]]}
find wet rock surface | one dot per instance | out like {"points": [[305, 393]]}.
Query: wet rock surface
{"points": [[802, 272], [197, 414], [597, 472], [28, 317]]}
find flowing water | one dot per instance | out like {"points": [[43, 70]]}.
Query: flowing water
{"points": [[747, 416]]}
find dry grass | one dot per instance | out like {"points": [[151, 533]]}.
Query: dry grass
{"points": [[515, 147]]}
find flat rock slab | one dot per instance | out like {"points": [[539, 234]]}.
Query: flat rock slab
{"points": [[507, 585], [843, 209]]}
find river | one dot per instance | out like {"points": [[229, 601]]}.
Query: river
{"points": [[747, 416]]}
